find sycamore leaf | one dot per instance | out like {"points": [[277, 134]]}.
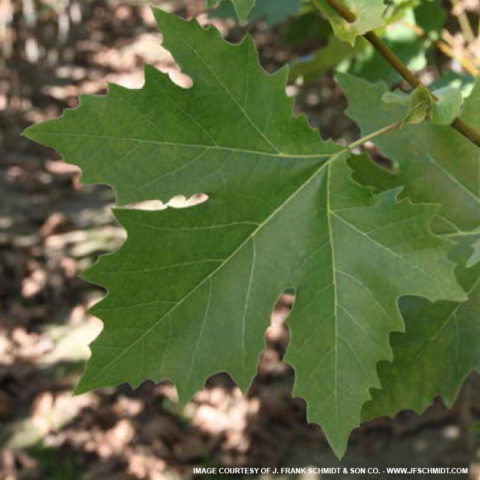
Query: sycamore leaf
{"points": [[335, 53], [372, 245], [475, 257], [369, 15], [439, 349], [274, 11], [447, 107], [409, 47], [435, 164], [242, 7], [190, 292]]}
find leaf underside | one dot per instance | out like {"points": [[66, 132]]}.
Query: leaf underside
{"points": [[190, 292]]}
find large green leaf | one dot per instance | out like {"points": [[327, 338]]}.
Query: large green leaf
{"points": [[442, 340], [191, 291], [369, 15]]}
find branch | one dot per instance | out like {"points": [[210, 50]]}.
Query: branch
{"points": [[392, 59], [400, 67]]}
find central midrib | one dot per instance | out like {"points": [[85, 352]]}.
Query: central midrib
{"points": [[335, 288]]}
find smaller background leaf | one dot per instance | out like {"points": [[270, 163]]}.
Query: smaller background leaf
{"points": [[242, 7], [441, 344], [439, 349], [369, 17], [403, 40], [272, 12], [448, 105]]}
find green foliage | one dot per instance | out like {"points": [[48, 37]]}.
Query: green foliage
{"points": [[272, 12], [241, 7], [436, 164], [398, 32], [438, 350], [475, 257], [447, 105], [344, 308], [441, 344], [419, 104], [334, 55], [369, 15], [401, 35], [279, 217], [441, 107]]}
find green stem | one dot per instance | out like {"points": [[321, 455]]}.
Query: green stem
{"points": [[397, 64], [371, 136]]}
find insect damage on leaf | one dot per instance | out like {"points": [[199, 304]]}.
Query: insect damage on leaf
{"points": [[190, 292]]}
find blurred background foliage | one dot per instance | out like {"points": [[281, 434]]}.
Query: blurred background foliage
{"points": [[52, 228], [414, 30]]}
